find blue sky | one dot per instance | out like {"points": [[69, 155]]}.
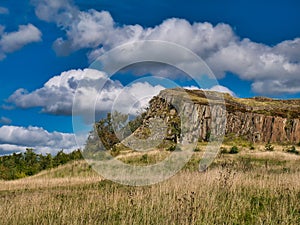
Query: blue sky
{"points": [[253, 48]]}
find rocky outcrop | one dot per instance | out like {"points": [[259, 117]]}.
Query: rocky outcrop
{"points": [[261, 128], [200, 115]]}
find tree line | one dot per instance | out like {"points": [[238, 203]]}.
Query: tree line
{"points": [[20, 165]]}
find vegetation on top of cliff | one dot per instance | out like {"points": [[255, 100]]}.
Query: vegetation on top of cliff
{"points": [[260, 105]]}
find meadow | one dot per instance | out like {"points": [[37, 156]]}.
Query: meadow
{"points": [[251, 187]]}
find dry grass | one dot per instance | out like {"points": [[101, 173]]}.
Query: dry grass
{"points": [[226, 194]]}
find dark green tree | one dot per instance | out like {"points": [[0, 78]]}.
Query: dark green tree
{"points": [[46, 161], [60, 158], [32, 162]]}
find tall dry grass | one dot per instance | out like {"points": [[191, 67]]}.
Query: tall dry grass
{"points": [[226, 194]]}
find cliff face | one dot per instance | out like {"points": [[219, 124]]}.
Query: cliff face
{"points": [[257, 119]]}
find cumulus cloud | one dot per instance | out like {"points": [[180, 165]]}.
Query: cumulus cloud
{"points": [[276, 86], [5, 120], [89, 90], [14, 138], [92, 29], [61, 11], [218, 88], [270, 68], [13, 41], [56, 96], [222, 89], [7, 149]]}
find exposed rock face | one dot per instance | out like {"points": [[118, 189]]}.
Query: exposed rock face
{"points": [[262, 128], [257, 119]]}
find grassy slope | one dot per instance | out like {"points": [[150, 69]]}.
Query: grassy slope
{"points": [[234, 190]]}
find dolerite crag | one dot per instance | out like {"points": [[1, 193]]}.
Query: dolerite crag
{"points": [[197, 114]]}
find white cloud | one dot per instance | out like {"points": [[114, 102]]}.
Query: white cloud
{"points": [[135, 97], [276, 86], [271, 72], [222, 89], [91, 29], [56, 96], [270, 69], [7, 148], [289, 49], [218, 88], [14, 138], [4, 10], [13, 41], [91, 88], [5, 120], [60, 11]]}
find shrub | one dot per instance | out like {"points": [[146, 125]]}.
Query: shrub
{"points": [[207, 136], [293, 150], [234, 150], [144, 158], [269, 147], [223, 150], [251, 147], [197, 149], [171, 148], [165, 145], [115, 151]]}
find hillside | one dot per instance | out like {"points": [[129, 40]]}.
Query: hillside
{"points": [[248, 188]]}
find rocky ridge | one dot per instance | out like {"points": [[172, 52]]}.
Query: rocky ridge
{"points": [[206, 115]]}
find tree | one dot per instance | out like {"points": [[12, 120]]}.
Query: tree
{"points": [[61, 158], [46, 161], [104, 129], [76, 155], [32, 162]]}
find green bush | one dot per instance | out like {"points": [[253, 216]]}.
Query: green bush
{"points": [[115, 151], [223, 150], [197, 149], [234, 150], [172, 148], [292, 149], [145, 158], [269, 147]]}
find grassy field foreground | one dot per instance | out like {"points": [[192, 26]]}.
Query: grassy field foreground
{"points": [[233, 191]]}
